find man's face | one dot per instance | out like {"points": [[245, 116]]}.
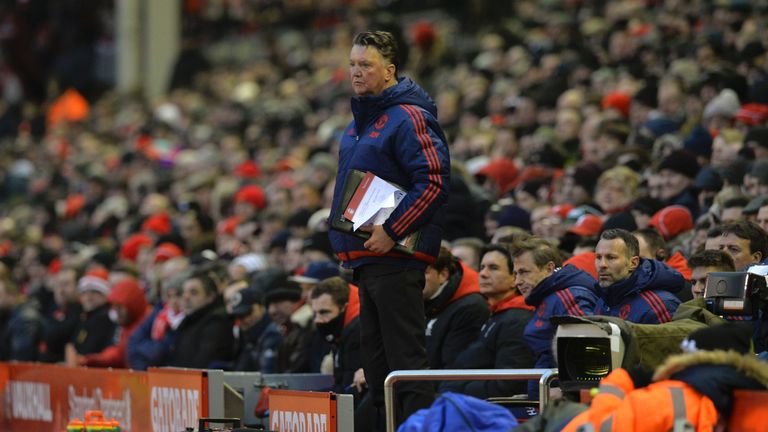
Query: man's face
{"points": [[738, 249], [65, 287], [369, 72], [762, 217], [528, 275], [194, 296], [433, 278], [325, 309], [495, 277], [699, 279], [280, 311], [673, 183], [612, 262], [90, 300]]}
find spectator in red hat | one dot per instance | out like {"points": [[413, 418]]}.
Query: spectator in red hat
{"points": [[249, 200], [132, 246], [675, 224], [96, 330], [587, 225], [166, 251], [499, 176], [128, 309], [158, 224], [617, 101]]}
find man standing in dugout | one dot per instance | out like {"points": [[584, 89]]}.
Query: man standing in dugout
{"points": [[395, 135]]}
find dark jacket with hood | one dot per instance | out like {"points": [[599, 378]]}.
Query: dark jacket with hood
{"points": [[646, 296], [129, 294], [21, 333], [568, 291], [454, 317], [205, 338], [396, 136], [500, 346]]}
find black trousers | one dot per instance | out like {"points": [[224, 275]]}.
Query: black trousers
{"points": [[392, 336]]}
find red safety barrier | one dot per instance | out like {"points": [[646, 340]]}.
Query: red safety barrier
{"points": [[44, 398]]}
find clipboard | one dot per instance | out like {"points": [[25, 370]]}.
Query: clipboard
{"points": [[340, 223]]}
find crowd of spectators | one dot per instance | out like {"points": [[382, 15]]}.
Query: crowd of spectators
{"points": [[565, 120]]}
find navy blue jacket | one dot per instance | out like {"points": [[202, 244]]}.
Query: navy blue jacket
{"points": [[396, 136], [646, 296], [568, 291], [142, 350]]}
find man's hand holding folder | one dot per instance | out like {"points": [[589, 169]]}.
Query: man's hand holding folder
{"points": [[379, 242], [368, 202]]}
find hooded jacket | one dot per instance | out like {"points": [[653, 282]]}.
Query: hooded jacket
{"points": [[702, 382], [645, 297], [396, 136], [454, 317], [129, 294], [500, 346], [567, 291]]}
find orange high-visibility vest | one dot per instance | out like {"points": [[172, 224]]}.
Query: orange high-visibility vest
{"points": [[667, 405]]}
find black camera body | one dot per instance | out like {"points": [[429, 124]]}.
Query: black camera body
{"points": [[731, 294]]}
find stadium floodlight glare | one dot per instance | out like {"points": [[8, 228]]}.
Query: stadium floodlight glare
{"points": [[734, 293], [586, 353]]}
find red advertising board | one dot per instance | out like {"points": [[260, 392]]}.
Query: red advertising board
{"points": [[40, 397], [177, 398], [44, 398], [304, 411]]}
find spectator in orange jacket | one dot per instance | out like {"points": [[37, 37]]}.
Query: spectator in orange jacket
{"points": [[690, 392], [128, 309]]}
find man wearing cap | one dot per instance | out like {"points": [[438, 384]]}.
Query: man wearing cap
{"points": [[757, 140], [395, 135], [293, 354], [762, 214], [632, 288], [314, 273], [337, 308], [95, 331], [677, 172], [257, 337], [554, 291], [756, 180]]}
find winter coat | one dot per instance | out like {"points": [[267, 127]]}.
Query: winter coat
{"points": [[21, 333], [204, 338], [568, 291], [500, 346], [129, 294], [95, 331], [257, 347], [146, 349], [696, 388], [645, 297], [58, 330], [396, 136], [454, 317]]}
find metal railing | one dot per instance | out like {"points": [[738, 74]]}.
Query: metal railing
{"points": [[545, 377]]}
